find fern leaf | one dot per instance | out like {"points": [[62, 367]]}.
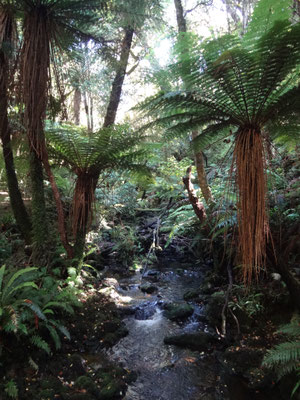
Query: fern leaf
{"points": [[40, 343]]}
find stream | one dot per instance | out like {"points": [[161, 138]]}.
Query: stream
{"points": [[164, 372]]}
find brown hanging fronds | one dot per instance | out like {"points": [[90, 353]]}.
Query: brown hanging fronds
{"points": [[253, 224], [35, 69]]}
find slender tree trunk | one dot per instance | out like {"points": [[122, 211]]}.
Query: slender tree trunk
{"points": [[59, 207], [87, 111], [76, 104], [198, 156], [91, 113], [116, 90], [198, 207], [201, 174], [16, 201]]}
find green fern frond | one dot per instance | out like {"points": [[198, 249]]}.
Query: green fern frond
{"points": [[283, 353], [11, 389], [40, 343], [36, 309], [54, 335], [63, 305]]}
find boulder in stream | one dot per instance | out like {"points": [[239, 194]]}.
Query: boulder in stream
{"points": [[195, 341], [147, 287], [178, 311]]}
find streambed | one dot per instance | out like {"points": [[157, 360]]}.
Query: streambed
{"points": [[164, 372]]}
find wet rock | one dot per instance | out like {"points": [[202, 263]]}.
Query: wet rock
{"points": [[145, 311], [147, 287], [195, 341], [178, 311], [127, 310], [151, 272]]}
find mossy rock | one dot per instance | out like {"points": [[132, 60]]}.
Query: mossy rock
{"points": [[112, 382], [178, 311], [82, 396], [195, 341], [47, 394], [87, 383], [110, 339], [147, 287], [113, 390], [214, 308], [52, 383], [191, 294]]}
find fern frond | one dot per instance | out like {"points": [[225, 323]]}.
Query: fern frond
{"points": [[54, 335], [283, 353], [40, 343]]}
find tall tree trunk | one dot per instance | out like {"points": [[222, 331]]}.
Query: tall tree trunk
{"points": [[16, 201], [116, 90], [198, 156], [76, 105]]}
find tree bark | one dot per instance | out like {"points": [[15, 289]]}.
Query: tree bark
{"points": [[16, 201], [116, 90], [76, 105], [59, 207], [197, 205]]}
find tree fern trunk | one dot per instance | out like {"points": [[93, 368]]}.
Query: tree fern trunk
{"points": [[38, 206]]}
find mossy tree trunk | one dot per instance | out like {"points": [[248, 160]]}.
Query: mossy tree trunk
{"points": [[38, 206], [16, 201]]}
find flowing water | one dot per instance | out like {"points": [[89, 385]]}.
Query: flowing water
{"points": [[164, 372]]}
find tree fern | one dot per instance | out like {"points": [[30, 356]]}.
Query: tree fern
{"points": [[244, 86]]}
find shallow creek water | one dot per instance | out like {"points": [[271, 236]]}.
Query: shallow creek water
{"points": [[164, 372]]}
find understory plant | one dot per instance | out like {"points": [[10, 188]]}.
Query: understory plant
{"points": [[285, 357], [30, 312]]}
